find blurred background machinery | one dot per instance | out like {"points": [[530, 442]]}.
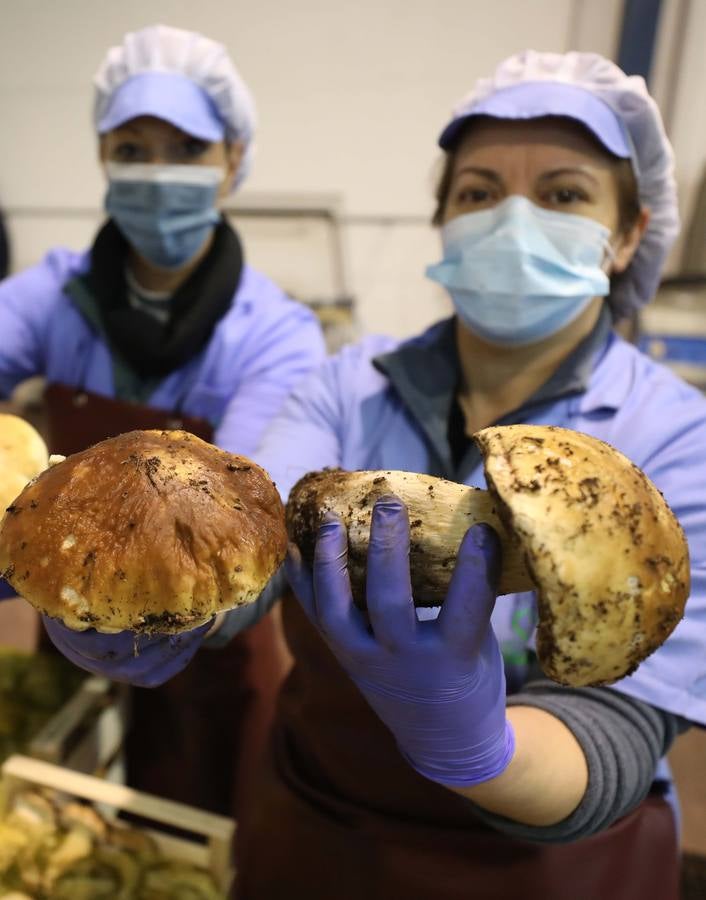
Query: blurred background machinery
{"points": [[672, 329]]}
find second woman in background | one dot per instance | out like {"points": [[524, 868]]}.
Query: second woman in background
{"points": [[159, 324]]}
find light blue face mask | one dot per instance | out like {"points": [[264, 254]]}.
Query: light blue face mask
{"points": [[518, 273], [165, 211]]}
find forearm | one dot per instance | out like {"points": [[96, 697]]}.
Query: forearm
{"points": [[546, 778], [622, 740]]}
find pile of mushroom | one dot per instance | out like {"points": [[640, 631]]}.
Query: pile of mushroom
{"points": [[54, 848], [578, 523]]}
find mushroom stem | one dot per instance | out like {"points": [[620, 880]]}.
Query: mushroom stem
{"points": [[440, 513]]}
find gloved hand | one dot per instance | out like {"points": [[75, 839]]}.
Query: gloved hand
{"points": [[6, 590], [145, 661], [439, 686]]}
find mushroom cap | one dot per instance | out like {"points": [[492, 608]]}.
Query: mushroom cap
{"points": [[12, 484], [22, 449], [440, 513], [152, 531], [608, 556]]}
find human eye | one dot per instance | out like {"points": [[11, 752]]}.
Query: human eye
{"points": [[128, 151], [470, 196], [473, 195], [191, 149], [567, 196]]}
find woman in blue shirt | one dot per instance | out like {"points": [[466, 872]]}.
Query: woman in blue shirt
{"points": [[431, 759]]}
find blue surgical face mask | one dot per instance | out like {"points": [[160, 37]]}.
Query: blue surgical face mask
{"points": [[518, 273], [166, 212]]}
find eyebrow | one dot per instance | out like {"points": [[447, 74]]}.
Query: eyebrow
{"points": [[493, 176], [126, 126], [484, 173], [569, 170]]}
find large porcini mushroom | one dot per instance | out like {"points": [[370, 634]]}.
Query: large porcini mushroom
{"points": [[577, 521], [148, 531]]}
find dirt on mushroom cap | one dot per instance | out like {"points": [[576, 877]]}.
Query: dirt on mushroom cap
{"points": [[148, 531], [609, 557]]}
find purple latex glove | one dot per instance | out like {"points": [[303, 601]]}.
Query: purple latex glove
{"points": [[6, 590], [439, 686], [137, 659]]}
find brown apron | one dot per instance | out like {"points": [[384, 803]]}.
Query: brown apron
{"points": [[197, 738], [342, 816]]}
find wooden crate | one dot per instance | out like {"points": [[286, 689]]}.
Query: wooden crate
{"points": [[217, 831], [87, 733]]}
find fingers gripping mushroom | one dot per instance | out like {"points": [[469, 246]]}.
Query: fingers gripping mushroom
{"points": [[440, 513], [577, 522]]}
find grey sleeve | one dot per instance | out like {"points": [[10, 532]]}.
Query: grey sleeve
{"points": [[622, 738], [242, 617]]}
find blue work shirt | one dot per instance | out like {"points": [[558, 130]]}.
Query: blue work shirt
{"points": [[260, 349], [382, 404]]}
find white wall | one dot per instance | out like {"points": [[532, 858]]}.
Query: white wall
{"points": [[351, 97]]}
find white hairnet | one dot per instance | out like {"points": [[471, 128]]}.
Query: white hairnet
{"points": [[173, 51], [651, 153]]}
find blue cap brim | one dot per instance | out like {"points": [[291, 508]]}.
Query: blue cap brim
{"points": [[165, 95], [536, 99]]}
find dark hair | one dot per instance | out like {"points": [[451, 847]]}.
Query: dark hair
{"points": [[629, 207], [628, 194], [4, 249]]}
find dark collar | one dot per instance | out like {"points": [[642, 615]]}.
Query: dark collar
{"points": [[150, 347], [425, 373]]}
